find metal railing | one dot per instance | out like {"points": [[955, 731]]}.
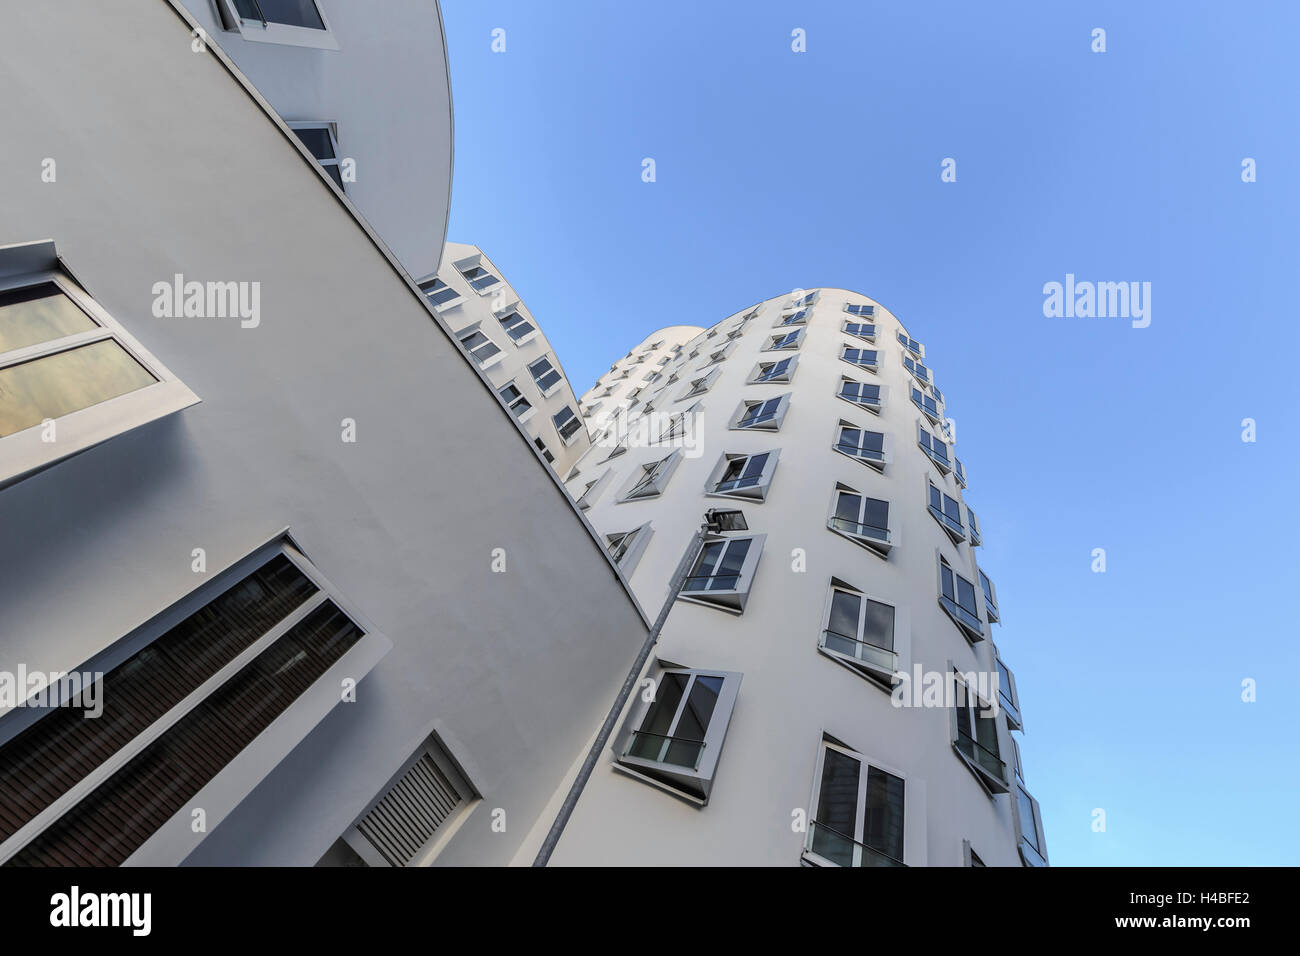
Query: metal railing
{"points": [[966, 617], [856, 451], [981, 756], [948, 521], [858, 528], [859, 649], [842, 850], [662, 748]]}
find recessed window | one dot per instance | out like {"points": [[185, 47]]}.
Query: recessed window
{"points": [[652, 478], [936, 448], [927, 405], [863, 330], [863, 394], [743, 476], [860, 518], [481, 349], [516, 326], [781, 371], [917, 369], [724, 572], [859, 631], [70, 376], [439, 293], [858, 812], [862, 358], [545, 375], [957, 598], [319, 138], [516, 400], [626, 547], [676, 739], [866, 446], [808, 298], [990, 598], [789, 340], [976, 737], [479, 278], [567, 423], [865, 310], [764, 414], [947, 511], [1033, 843]]}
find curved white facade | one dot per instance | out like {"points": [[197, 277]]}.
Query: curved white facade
{"points": [[803, 706]]}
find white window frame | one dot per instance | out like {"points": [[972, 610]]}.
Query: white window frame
{"points": [[593, 490], [1030, 855], [993, 782], [1009, 702], [755, 492], [906, 341], [554, 386], [24, 453], [936, 417], [876, 464], [870, 542], [698, 386], [882, 391], [850, 306], [732, 600], [844, 357], [865, 337], [528, 412], [798, 332], [667, 465], [990, 595], [577, 432], [940, 515], [912, 365], [492, 360], [772, 424], [331, 129], [974, 631], [914, 815], [876, 664], [516, 310], [258, 31], [780, 378], [631, 556], [925, 440]]}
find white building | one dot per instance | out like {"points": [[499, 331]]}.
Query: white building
{"points": [[331, 602], [817, 416], [502, 338]]}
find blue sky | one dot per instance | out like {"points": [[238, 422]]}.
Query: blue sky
{"points": [[778, 170]]}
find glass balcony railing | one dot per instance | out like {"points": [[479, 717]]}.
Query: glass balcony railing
{"points": [[859, 529], [982, 757], [966, 617], [833, 846], [867, 454], [867, 401], [948, 521], [864, 651], [711, 582], [1013, 712], [661, 748]]}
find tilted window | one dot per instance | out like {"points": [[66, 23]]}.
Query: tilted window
{"points": [[976, 737], [858, 812], [481, 349], [743, 476], [859, 631], [781, 371], [723, 573], [516, 400], [863, 394], [862, 358], [936, 448], [321, 142], [545, 375], [516, 326], [866, 446], [652, 478], [947, 511], [861, 519], [957, 598]]}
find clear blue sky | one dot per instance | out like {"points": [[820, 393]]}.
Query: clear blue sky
{"points": [[779, 170]]}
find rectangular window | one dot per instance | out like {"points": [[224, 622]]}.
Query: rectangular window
{"points": [[977, 737], [917, 369], [957, 598], [935, 448], [867, 310], [480, 279], [774, 371], [743, 476], [912, 345], [1033, 844], [863, 519], [479, 346], [723, 572], [546, 452], [293, 13], [862, 394], [863, 330], [65, 361], [756, 414], [626, 547], [438, 292], [1008, 699], [516, 400], [975, 539], [867, 446], [860, 632], [516, 326], [926, 404], [947, 511], [858, 812], [320, 142], [566, 423], [653, 477], [990, 597], [795, 318], [862, 358], [545, 375], [959, 471], [790, 340]]}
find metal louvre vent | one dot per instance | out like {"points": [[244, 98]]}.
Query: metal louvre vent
{"points": [[405, 820]]}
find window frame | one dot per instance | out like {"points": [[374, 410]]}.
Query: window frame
{"points": [[23, 452], [758, 491], [771, 424], [559, 429], [993, 782], [798, 332], [974, 632], [530, 409], [885, 446], [1037, 855], [925, 442], [476, 328], [631, 556], [913, 807], [285, 34], [516, 310], [845, 347], [864, 336], [731, 600], [940, 515], [331, 130], [555, 386], [658, 484], [882, 391], [875, 545], [879, 671], [780, 378]]}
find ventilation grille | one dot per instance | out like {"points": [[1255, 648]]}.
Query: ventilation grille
{"points": [[404, 821]]}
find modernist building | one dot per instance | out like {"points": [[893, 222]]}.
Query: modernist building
{"points": [[767, 730], [250, 486], [502, 338]]}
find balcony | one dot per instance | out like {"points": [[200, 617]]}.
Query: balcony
{"points": [[832, 848]]}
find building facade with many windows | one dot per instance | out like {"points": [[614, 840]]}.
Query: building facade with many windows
{"points": [[771, 726]]}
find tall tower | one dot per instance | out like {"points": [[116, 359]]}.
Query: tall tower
{"points": [[772, 725]]}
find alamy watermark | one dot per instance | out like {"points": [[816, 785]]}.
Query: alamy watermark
{"points": [[1103, 300], [43, 689], [208, 300]]}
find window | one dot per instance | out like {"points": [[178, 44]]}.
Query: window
{"points": [[859, 631], [743, 476], [934, 447], [545, 375], [975, 539], [867, 447], [862, 358], [546, 452], [790, 340], [858, 812], [516, 326], [795, 318], [1033, 843], [480, 279], [718, 355], [651, 479], [273, 625], [700, 385], [291, 22], [863, 330], [781, 371], [439, 293], [912, 345], [861, 519], [969, 856], [480, 348], [723, 572], [957, 598], [927, 405], [976, 737], [863, 394], [677, 424], [415, 815], [617, 450], [567, 424], [592, 489], [516, 401], [917, 369], [947, 511], [990, 598], [764, 414], [626, 547], [1008, 699], [319, 138], [70, 376], [959, 471], [808, 298], [865, 310], [675, 741]]}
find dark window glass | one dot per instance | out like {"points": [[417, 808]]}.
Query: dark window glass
{"points": [[294, 13]]}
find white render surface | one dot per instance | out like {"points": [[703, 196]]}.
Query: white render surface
{"points": [[792, 694]]}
